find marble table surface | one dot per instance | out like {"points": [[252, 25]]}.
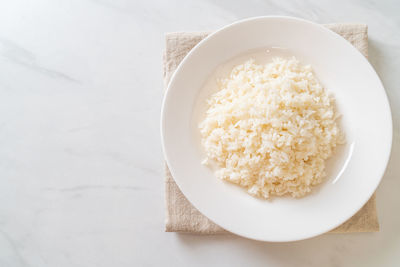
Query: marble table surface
{"points": [[81, 173]]}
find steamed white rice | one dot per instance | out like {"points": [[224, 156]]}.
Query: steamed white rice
{"points": [[270, 128]]}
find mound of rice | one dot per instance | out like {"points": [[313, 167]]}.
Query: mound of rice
{"points": [[270, 128]]}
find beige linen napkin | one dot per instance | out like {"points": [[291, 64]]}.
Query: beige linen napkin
{"points": [[181, 215]]}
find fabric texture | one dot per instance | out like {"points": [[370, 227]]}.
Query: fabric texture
{"points": [[181, 216]]}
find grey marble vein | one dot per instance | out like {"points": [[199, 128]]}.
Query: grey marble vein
{"points": [[23, 57], [20, 261]]}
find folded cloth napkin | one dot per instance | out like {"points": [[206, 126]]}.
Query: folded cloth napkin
{"points": [[181, 215]]}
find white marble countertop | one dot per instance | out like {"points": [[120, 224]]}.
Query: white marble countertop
{"points": [[80, 157]]}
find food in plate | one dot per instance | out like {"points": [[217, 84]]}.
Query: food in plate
{"points": [[270, 128]]}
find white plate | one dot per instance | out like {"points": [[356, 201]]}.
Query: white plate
{"points": [[353, 174]]}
